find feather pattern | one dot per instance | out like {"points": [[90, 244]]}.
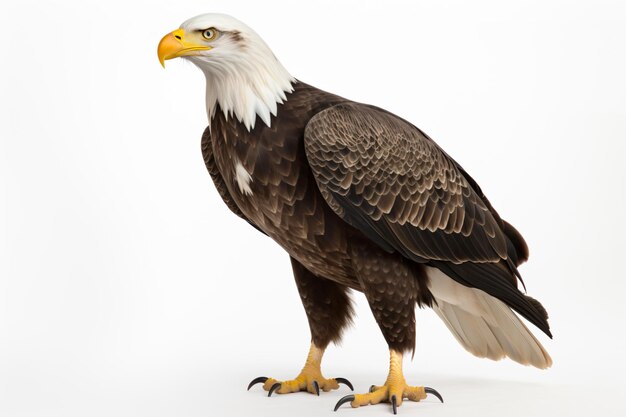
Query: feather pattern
{"points": [[292, 200], [368, 162]]}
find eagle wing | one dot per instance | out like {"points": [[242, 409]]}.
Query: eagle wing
{"points": [[388, 179]]}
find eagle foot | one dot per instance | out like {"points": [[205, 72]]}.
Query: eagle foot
{"points": [[393, 392], [311, 382], [310, 378]]}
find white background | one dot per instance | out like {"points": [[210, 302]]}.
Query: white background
{"points": [[127, 288]]}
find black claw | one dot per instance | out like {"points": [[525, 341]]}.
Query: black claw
{"points": [[346, 399], [346, 382], [394, 404], [256, 381], [316, 386], [372, 388], [273, 388], [430, 390]]}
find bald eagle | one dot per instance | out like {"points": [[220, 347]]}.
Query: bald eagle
{"points": [[361, 200]]}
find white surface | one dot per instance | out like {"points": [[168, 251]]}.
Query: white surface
{"points": [[127, 288]]}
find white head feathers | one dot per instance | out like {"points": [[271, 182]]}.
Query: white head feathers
{"points": [[243, 76]]}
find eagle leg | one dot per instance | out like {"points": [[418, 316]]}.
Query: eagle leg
{"points": [[392, 287], [309, 379], [328, 311], [394, 390]]}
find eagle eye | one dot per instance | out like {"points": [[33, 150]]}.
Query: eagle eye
{"points": [[209, 34]]}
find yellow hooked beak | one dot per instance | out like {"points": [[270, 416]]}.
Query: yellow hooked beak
{"points": [[174, 45]]}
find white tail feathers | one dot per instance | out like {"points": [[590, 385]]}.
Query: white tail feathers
{"points": [[484, 325]]}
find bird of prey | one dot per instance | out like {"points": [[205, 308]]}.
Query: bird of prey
{"points": [[361, 200]]}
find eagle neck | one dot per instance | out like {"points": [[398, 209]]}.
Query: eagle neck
{"points": [[243, 95]]}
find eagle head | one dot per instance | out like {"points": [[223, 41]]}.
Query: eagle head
{"points": [[244, 78]]}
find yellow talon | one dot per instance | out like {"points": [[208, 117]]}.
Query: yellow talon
{"points": [[385, 392], [309, 379], [394, 390]]}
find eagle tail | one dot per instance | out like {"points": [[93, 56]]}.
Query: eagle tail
{"points": [[484, 325]]}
